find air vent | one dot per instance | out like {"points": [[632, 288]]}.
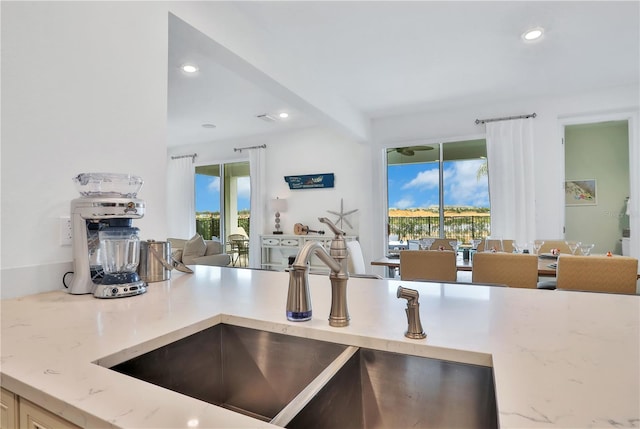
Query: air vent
{"points": [[266, 118]]}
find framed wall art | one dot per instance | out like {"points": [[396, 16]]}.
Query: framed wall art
{"points": [[580, 192]]}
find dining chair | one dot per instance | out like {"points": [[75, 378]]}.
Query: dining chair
{"points": [[239, 248], [507, 246], [555, 244], [356, 260], [428, 265], [444, 242], [511, 269], [615, 274]]}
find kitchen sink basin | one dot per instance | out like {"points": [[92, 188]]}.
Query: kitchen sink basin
{"points": [[298, 382], [376, 389], [250, 371]]}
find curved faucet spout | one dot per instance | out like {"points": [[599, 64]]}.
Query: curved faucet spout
{"points": [[299, 297], [315, 247]]}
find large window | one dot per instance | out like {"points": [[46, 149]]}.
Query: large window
{"points": [[438, 190], [225, 186]]}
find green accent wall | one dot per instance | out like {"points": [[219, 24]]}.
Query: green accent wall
{"points": [[601, 152]]}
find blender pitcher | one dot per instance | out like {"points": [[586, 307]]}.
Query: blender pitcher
{"points": [[120, 255]]}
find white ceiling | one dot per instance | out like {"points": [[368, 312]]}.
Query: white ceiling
{"points": [[391, 57]]}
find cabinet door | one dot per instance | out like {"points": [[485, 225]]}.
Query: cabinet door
{"points": [[8, 410], [35, 417]]}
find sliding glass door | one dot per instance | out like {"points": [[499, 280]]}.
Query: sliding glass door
{"points": [[438, 190], [223, 203]]}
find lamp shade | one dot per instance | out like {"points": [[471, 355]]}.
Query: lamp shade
{"points": [[279, 205]]}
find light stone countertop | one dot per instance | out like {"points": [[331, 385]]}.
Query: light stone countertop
{"points": [[560, 359]]}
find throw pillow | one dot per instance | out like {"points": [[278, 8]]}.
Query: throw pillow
{"points": [[193, 248], [214, 247]]}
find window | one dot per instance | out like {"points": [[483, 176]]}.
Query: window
{"points": [[226, 186], [439, 190]]}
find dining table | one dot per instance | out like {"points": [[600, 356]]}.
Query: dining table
{"points": [[546, 266]]}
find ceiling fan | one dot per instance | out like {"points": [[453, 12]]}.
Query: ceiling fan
{"points": [[411, 150]]}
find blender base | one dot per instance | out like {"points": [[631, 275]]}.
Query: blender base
{"points": [[120, 290]]}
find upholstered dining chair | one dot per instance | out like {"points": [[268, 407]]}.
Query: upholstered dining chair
{"points": [[555, 244], [428, 265], [444, 242], [356, 260], [596, 273], [511, 269], [507, 246]]}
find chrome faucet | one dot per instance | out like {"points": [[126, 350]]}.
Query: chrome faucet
{"points": [[414, 330], [299, 298]]}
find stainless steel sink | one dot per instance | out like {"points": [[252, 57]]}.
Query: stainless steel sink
{"points": [[249, 371], [376, 389], [297, 382]]}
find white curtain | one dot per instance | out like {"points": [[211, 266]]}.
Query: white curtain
{"points": [[511, 179], [258, 176], [181, 206]]}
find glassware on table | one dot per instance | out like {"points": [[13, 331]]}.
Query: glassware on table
{"points": [[573, 246], [493, 244], [585, 249], [537, 244], [475, 243], [425, 243], [519, 247], [454, 245]]}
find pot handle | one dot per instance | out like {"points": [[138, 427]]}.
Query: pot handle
{"points": [[177, 264]]}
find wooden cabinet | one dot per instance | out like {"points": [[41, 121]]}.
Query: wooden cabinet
{"points": [[18, 413], [34, 417], [276, 250], [8, 410]]}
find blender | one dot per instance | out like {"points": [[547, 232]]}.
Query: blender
{"points": [[106, 248]]}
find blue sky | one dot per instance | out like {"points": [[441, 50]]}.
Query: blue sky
{"points": [[416, 185], [208, 193]]}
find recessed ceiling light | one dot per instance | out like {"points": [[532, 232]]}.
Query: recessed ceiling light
{"points": [[189, 68], [533, 34], [284, 115], [208, 126]]}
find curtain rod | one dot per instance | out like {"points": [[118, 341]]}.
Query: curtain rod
{"points": [[191, 155], [240, 149], [507, 118]]}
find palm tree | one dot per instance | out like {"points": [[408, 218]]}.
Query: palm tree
{"points": [[483, 170]]}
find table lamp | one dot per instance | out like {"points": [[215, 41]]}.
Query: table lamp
{"points": [[278, 206]]}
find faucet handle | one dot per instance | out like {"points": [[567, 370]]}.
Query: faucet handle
{"points": [[338, 232]]}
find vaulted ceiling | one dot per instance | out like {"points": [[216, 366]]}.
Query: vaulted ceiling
{"points": [[384, 58]]}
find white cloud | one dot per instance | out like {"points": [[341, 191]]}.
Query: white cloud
{"points": [[403, 203], [214, 184], [424, 180], [462, 186], [244, 187]]}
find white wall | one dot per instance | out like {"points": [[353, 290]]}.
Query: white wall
{"points": [[83, 90], [549, 153], [308, 151]]}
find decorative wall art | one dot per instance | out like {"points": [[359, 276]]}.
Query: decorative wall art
{"points": [[580, 192], [309, 181]]}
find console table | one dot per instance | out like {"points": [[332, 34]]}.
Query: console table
{"points": [[276, 250]]}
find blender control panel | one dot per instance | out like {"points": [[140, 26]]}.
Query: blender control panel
{"points": [[117, 291]]}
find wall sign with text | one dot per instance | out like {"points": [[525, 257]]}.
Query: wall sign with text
{"points": [[310, 181]]}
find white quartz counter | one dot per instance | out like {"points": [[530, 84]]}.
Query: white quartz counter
{"points": [[560, 359]]}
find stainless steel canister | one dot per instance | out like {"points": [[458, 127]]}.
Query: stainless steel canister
{"points": [[154, 257]]}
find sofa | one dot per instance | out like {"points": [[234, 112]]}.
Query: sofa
{"points": [[198, 251]]}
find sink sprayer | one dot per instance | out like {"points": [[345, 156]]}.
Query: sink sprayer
{"points": [[414, 331]]}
